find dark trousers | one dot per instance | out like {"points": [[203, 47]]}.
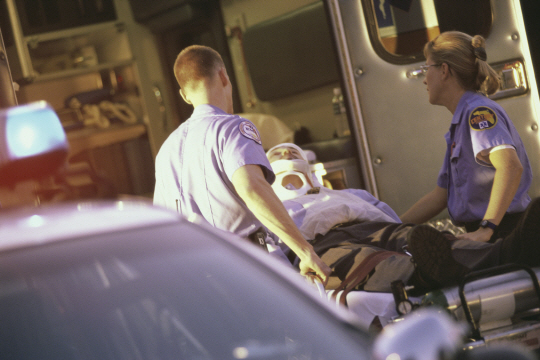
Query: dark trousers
{"points": [[383, 235], [346, 246], [508, 223]]}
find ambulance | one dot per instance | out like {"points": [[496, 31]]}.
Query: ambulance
{"points": [[341, 78]]}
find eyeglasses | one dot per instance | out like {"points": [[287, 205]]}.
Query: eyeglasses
{"points": [[425, 68]]}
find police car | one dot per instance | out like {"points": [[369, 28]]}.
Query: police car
{"points": [[127, 280]]}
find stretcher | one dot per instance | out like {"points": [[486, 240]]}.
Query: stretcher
{"points": [[497, 305]]}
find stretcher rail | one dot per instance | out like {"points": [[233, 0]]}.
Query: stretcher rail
{"points": [[486, 273]]}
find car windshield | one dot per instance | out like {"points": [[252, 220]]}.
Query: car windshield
{"points": [[161, 293]]}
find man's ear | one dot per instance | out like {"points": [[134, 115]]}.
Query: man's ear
{"points": [[223, 77], [183, 95]]}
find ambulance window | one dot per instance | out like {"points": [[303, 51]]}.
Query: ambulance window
{"points": [[399, 28]]}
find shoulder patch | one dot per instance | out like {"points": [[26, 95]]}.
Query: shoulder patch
{"points": [[250, 131], [482, 118]]}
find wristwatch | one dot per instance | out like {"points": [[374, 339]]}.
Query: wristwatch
{"points": [[488, 224]]}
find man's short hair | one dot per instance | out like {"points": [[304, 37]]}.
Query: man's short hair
{"points": [[196, 63]]}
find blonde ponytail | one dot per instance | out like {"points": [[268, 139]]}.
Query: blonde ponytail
{"points": [[487, 79], [466, 56]]}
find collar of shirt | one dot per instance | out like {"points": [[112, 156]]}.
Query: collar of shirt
{"points": [[462, 104], [207, 109]]}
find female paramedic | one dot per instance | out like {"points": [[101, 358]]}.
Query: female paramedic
{"points": [[486, 174]]}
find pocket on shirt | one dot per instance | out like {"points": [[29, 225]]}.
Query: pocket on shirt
{"points": [[458, 166]]}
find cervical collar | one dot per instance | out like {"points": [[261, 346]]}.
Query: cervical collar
{"points": [[283, 168]]}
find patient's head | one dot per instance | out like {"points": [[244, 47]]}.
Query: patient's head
{"points": [[285, 151], [293, 174]]}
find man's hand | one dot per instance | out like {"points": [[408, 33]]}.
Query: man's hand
{"points": [[252, 187], [482, 235], [312, 267]]}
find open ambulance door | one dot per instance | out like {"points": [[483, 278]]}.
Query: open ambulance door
{"points": [[398, 133]]}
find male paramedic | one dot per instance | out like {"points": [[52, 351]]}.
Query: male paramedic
{"points": [[341, 224], [213, 165]]}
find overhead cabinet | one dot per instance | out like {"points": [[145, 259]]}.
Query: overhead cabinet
{"points": [[77, 56]]}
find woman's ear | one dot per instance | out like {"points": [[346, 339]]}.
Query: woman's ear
{"points": [[445, 70]]}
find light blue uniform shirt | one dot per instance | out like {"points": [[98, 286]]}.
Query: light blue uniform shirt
{"points": [[195, 165], [479, 123]]}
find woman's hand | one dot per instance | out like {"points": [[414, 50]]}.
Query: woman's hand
{"points": [[482, 235]]}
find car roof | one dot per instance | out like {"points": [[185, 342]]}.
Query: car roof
{"points": [[24, 227]]}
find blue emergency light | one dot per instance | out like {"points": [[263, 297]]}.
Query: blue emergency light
{"points": [[33, 143]]}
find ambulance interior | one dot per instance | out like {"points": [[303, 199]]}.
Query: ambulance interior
{"points": [[499, 305], [281, 57]]}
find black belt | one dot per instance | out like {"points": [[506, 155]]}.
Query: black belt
{"points": [[259, 238]]}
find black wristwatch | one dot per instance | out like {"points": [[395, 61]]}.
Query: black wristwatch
{"points": [[488, 224]]}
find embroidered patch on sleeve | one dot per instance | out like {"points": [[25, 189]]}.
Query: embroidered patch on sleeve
{"points": [[250, 131], [482, 118]]}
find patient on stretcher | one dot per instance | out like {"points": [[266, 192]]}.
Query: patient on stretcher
{"points": [[346, 226]]}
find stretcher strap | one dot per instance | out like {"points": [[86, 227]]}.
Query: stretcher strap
{"points": [[360, 272]]}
